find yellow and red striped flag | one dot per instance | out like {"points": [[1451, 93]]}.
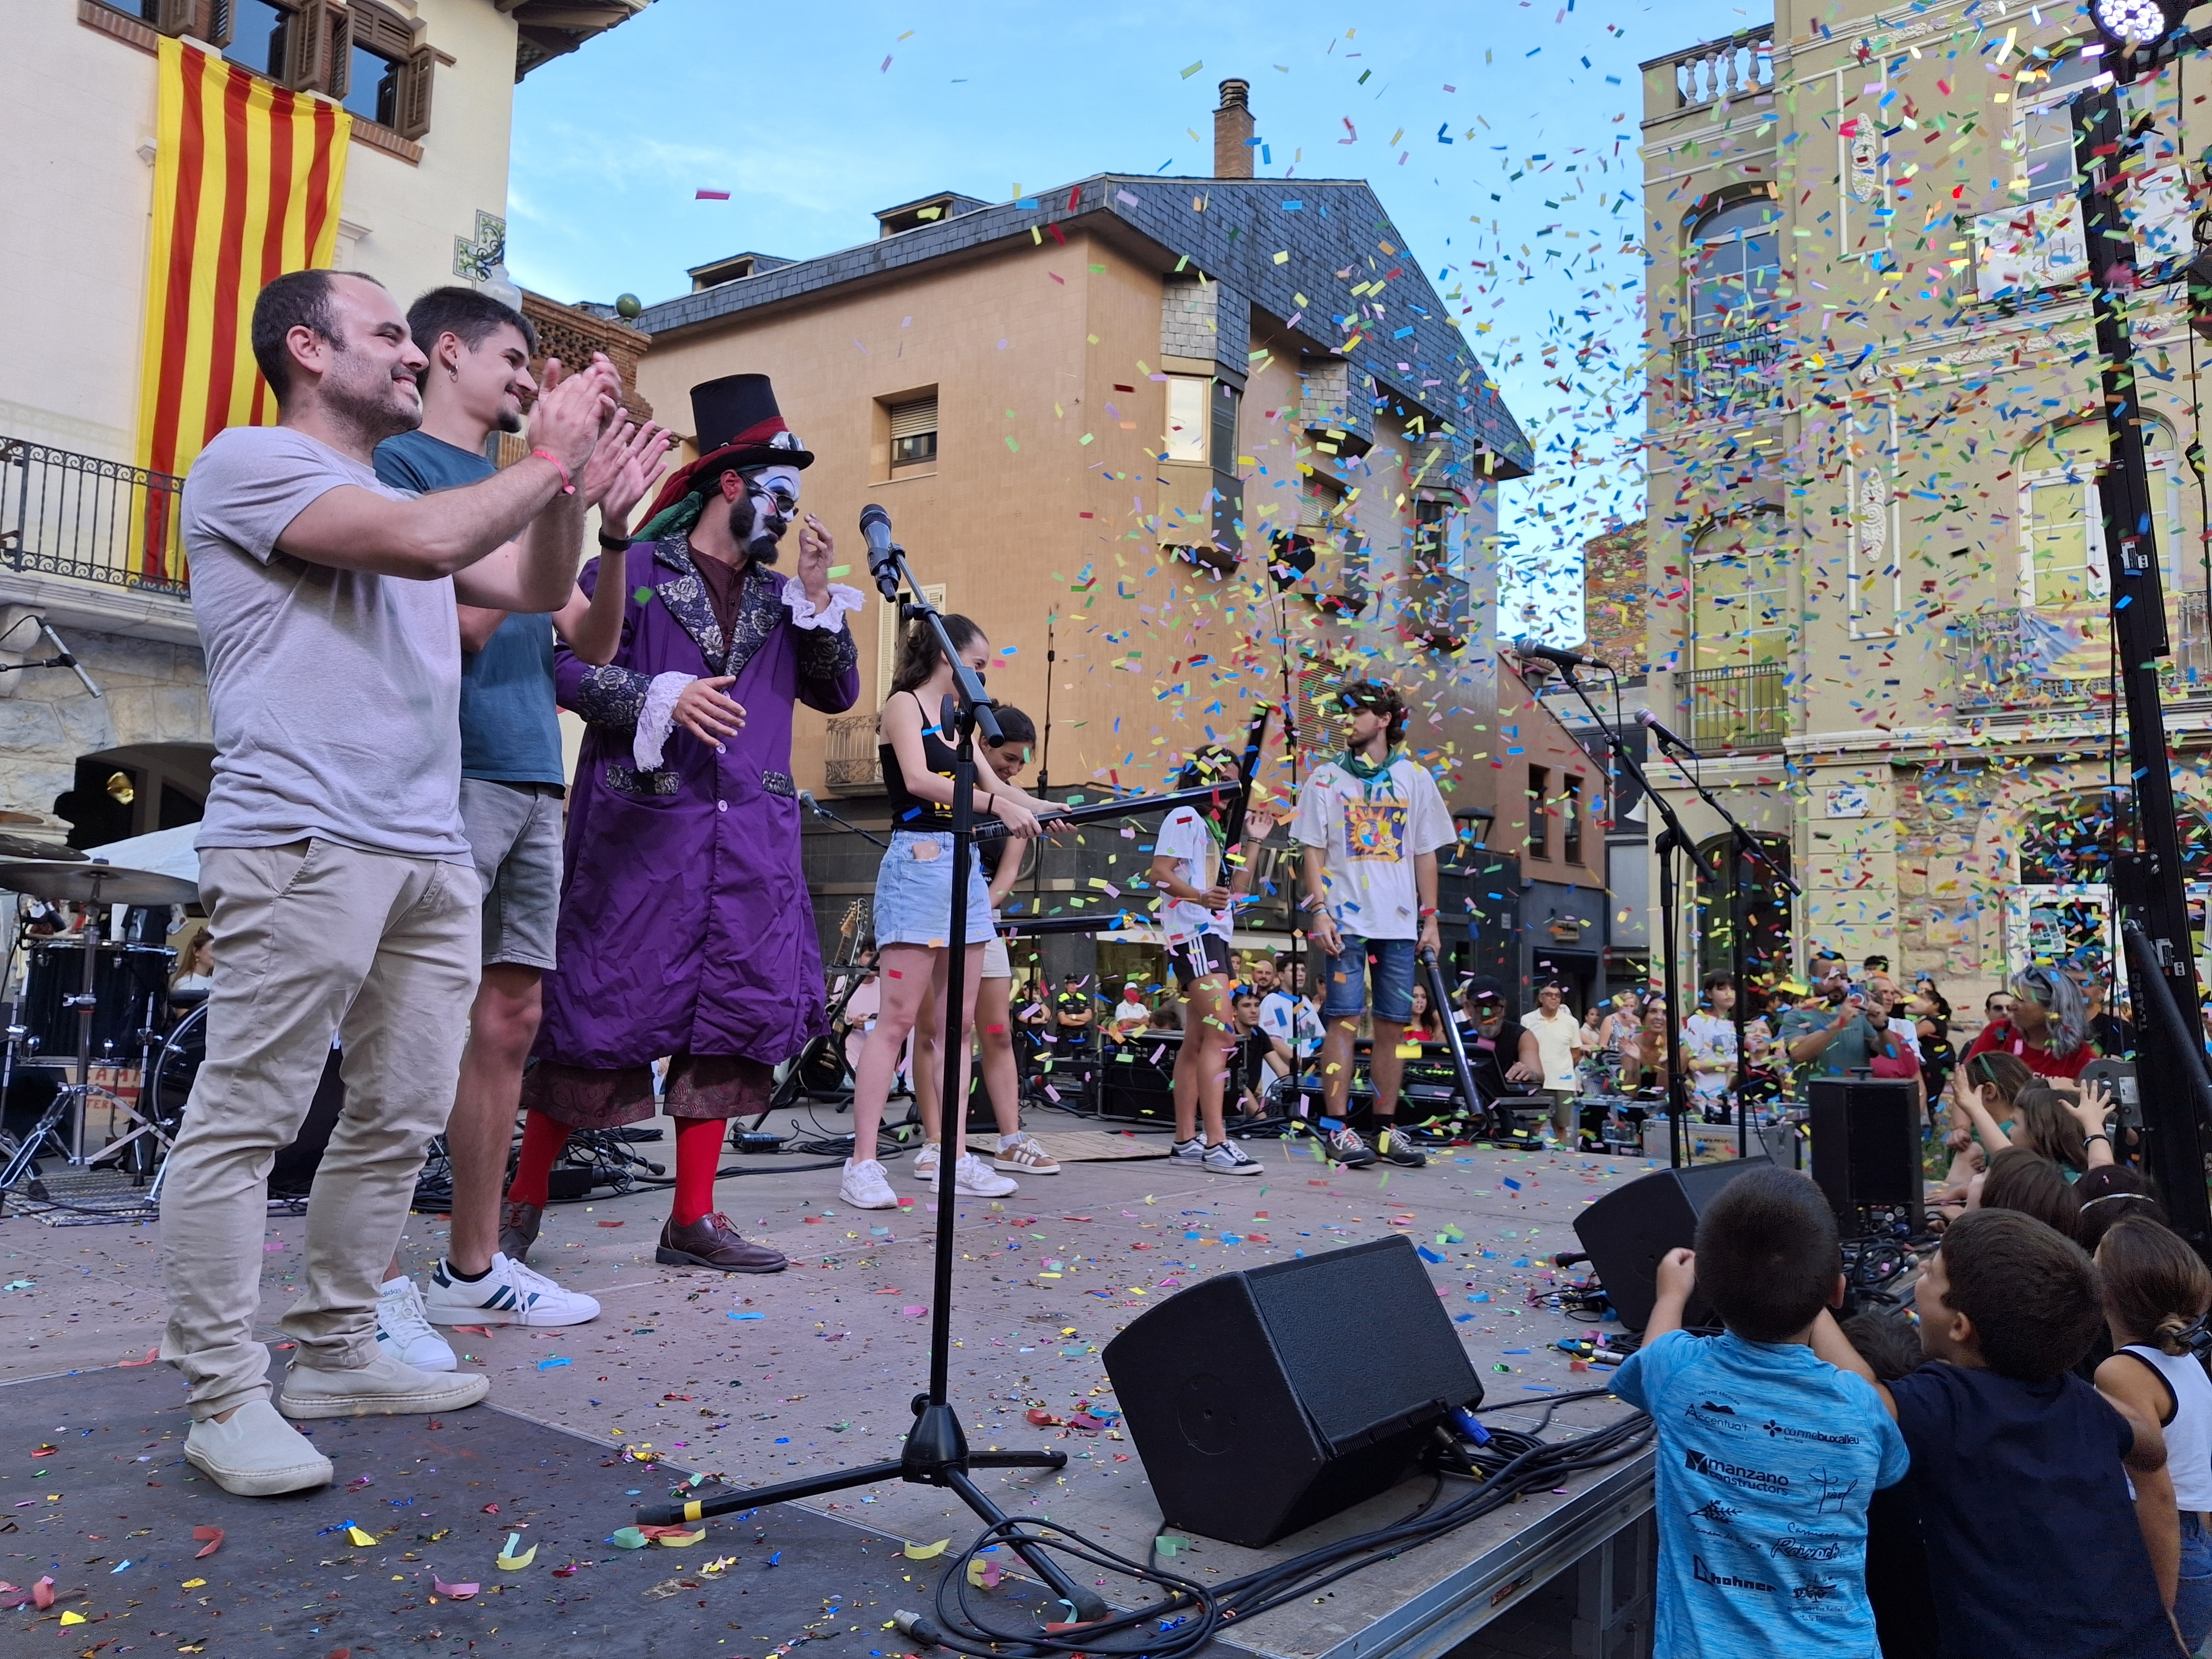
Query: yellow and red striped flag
{"points": [[248, 180]]}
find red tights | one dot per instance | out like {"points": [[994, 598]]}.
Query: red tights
{"points": [[698, 1152]]}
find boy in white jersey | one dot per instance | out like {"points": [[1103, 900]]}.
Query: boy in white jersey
{"points": [[1198, 902]]}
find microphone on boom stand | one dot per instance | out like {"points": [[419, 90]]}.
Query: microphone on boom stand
{"points": [[1668, 741], [883, 552], [806, 800]]}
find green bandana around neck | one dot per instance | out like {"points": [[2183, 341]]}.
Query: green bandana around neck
{"points": [[1366, 772]]}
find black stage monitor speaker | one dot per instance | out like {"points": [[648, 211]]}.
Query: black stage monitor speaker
{"points": [[1627, 1232], [1138, 1082], [1265, 1400], [1866, 1146]]}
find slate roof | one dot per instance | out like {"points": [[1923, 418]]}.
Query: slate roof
{"points": [[1414, 356]]}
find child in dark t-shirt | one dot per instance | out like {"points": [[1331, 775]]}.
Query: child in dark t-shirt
{"points": [[2033, 1540]]}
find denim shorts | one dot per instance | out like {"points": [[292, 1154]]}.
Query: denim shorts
{"points": [[2192, 1601], [1345, 978], [913, 895]]}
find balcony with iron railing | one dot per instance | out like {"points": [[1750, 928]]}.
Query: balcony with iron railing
{"points": [[1715, 71], [1730, 374], [850, 762], [92, 521], [1743, 706], [2009, 660]]}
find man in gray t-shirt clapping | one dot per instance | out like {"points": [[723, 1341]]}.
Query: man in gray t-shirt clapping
{"points": [[338, 884]]}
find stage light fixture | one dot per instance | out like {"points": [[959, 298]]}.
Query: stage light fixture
{"points": [[2132, 24]]}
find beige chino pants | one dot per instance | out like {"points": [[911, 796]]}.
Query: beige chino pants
{"points": [[314, 942]]}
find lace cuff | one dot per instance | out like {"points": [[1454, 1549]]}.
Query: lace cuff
{"points": [[655, 718], [830, 618]]}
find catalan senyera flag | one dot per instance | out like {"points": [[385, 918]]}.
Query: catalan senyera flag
{"points": [[247, 179]]}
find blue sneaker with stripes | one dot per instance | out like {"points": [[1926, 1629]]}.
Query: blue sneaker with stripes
{"points": [[510, 1294]]}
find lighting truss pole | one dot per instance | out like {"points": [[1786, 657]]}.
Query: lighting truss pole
{"points": [[2175, 1091]]}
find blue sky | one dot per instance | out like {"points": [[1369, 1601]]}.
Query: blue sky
{"points": [[813, 118]]}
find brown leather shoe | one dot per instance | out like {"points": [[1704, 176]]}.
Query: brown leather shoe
{"points": [[711, 1241], [517, 1228]]}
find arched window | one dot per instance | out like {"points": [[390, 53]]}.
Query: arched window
{"points": [[1740, 609], [1734, 265]]}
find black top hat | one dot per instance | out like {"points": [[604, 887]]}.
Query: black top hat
{"points": [[737, 425], [738, 412]]}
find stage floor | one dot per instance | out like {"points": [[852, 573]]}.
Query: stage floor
{"points": [[770, 1379]]}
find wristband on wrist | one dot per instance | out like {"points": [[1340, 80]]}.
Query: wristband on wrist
{"points": [[568, 484], [1427, 911], [613, 544], [2106, 1138]]}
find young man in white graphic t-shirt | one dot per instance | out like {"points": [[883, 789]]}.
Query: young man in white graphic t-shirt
{"points": [[1371, 821]]}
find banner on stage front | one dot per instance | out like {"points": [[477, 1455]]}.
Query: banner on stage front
{"points": [[247, 181]]}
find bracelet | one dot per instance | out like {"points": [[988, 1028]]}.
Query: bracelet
{"points": [[2107, 1139], [568, 484], [1427, 911], [614, 544]]}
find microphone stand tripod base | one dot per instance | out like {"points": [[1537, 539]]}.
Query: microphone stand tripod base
{"points": [[936, 1455], [936, 1451]]}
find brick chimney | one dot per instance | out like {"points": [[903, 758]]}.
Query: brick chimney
{"points": [[1233, 132]]}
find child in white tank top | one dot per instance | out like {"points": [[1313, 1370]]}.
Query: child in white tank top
{"points": [[2156, 1290]]}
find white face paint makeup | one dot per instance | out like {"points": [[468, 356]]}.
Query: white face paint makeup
{"points": [[774, 493], [780, 484]]}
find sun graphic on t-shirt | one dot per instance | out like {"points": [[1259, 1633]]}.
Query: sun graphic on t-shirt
{"points": [[1374, 831]]}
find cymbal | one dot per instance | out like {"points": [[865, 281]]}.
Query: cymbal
{"points": [[51, 878]]}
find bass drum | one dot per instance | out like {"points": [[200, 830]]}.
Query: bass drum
{"points": [[177, 1066], [176, 1063]]}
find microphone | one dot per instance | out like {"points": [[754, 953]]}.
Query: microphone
{"points": [[1663, 737], [1529, 646], [61, 656], [876, 529], [806, 800]]}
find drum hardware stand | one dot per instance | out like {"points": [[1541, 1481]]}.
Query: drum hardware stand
{"points": [[78, 1095], [146, 1124]]}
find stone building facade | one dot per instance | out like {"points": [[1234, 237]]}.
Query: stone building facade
{"points": [[1875, 556]]}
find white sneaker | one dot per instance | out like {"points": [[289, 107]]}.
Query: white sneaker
{"points": [[403, 1329], [864, 1187], [1228, 1158], [383, 1387], [925, 1162], [973, 1178], [256, 1454], [1187, 1152], [1025, 1155], [510, 1294]]}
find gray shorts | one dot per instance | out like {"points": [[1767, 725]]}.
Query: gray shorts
{"points": [[515, 832]]}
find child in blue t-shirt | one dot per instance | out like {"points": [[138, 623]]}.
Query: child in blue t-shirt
{"points": [[1768, 1453]]}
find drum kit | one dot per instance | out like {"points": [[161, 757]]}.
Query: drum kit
{"points": [[88, 1001]]}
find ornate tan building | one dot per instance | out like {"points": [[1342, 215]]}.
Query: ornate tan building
{"points": [[1875, 562]]}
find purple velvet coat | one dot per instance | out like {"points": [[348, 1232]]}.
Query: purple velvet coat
{"points": [[686, 924]]}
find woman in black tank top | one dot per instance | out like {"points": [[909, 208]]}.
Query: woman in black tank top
{"points": [[914, 902]]}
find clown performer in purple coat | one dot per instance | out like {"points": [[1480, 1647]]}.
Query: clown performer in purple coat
{"points": [[686, 930]]}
